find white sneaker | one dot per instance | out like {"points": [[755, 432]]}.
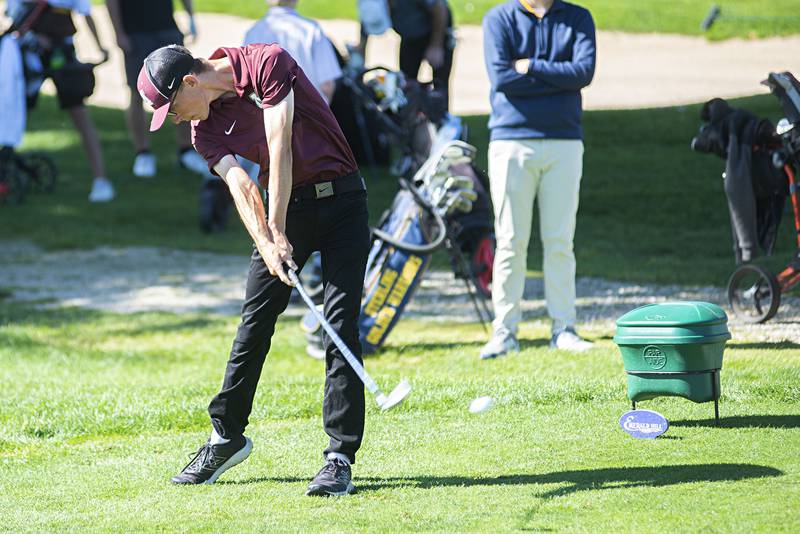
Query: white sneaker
{"points": [[193, 162], [102, 191], [569, 340], [144, 166], [501, 343]]}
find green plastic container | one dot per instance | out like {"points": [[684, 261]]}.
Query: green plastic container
{"points": [[673, 349]]}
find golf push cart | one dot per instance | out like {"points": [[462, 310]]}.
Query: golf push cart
{"points": [[442, 203], [761, 172]]}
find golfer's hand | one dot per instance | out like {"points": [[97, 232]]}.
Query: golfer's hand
{"points": [[434, 55], [278, 255], [522, 65]]}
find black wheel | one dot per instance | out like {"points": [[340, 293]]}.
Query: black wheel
{"points": [[754, 293], [12, 187], [40, 171]]}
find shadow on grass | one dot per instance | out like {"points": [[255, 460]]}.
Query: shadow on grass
{"points": [[176, 326], [571, 481], [422, 347], [745, 421], [765, 345]]}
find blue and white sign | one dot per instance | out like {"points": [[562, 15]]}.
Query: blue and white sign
{"points": [[645, 424]]}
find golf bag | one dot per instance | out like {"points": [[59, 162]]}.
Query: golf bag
{"points": [[23, 74], [442, 203], [755, 188]]}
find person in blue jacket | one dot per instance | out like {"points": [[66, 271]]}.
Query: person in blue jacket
{"points": [[539, 55]]}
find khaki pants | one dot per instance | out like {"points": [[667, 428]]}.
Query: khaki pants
{"points": [[521, 171]]}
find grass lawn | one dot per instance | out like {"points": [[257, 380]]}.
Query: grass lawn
{"points": [[651, 209], [99, 410], [740, 18]]}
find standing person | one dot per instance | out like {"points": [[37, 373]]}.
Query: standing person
{"points": [[539, 54], [426, 32], [52, 25], [142, 26], [304, 40], [255, 102]]}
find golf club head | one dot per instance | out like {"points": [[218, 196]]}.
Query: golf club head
{"points": [[459, 182], [450, 206], [398, 394], [469, 194], [464, 205]]}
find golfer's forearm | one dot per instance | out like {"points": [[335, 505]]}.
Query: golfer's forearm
{"points": [[280, 189], [278, 128], [248, 203], [247, 200]]}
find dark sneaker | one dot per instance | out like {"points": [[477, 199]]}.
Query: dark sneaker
{"points": [[211, 461], [332, 479]]}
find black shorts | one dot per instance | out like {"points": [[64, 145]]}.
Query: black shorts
{"points": [[141, 46]]}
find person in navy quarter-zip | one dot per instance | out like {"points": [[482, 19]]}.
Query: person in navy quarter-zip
{"points": [[539, 55]]}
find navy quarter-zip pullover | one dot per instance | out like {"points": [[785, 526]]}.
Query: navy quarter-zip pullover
{"points": [[546, 101]]}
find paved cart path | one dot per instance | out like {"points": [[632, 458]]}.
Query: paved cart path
{"points": [[136, 279]]}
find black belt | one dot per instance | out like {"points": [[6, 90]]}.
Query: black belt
{"points": [[345, 184]]}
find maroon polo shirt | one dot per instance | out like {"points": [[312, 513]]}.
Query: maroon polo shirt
{"points": [[235, 126]]}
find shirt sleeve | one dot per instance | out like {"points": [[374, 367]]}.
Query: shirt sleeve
{"points": [[276, 76], [211, 151], [499, 58], [577, 73], [326, 64]]}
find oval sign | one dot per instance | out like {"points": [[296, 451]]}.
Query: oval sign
{"points": [[643, 423]]}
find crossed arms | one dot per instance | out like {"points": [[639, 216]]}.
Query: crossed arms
{"points": [[537, 77]]}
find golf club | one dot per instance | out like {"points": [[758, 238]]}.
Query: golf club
{"points": [[385, 402]]}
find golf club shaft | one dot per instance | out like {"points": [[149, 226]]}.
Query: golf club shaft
{"points": [[348, 354]]}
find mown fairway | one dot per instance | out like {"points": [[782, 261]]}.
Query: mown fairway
{"points": [[99, 410]]}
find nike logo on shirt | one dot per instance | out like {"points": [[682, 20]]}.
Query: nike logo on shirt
{"points": [[229, 130]]}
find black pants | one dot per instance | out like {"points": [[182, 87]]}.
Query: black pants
{"points": [[337, 227], [412, 52]]}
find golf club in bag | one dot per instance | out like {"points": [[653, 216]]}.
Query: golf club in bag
{"points": [[385, 402], [441, 203]]}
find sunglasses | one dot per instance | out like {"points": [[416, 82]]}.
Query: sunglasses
{"points": [[171, 113]]}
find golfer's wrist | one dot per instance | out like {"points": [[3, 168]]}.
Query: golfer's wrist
{"points": [[276, 228]]}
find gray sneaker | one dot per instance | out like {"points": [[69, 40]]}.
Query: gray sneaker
{"points": [[569, 340], [501, 343]]}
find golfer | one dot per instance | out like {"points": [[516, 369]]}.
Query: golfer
{"points": [[254, 101]]}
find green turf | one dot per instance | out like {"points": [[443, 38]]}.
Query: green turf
{"points": [[740, 18], [651, 209], [99, 410]]}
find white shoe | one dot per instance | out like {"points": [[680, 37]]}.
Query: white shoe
{"points": [[144, 166], [194, 162], [501, 343], [102, 191], [569, 340]]}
